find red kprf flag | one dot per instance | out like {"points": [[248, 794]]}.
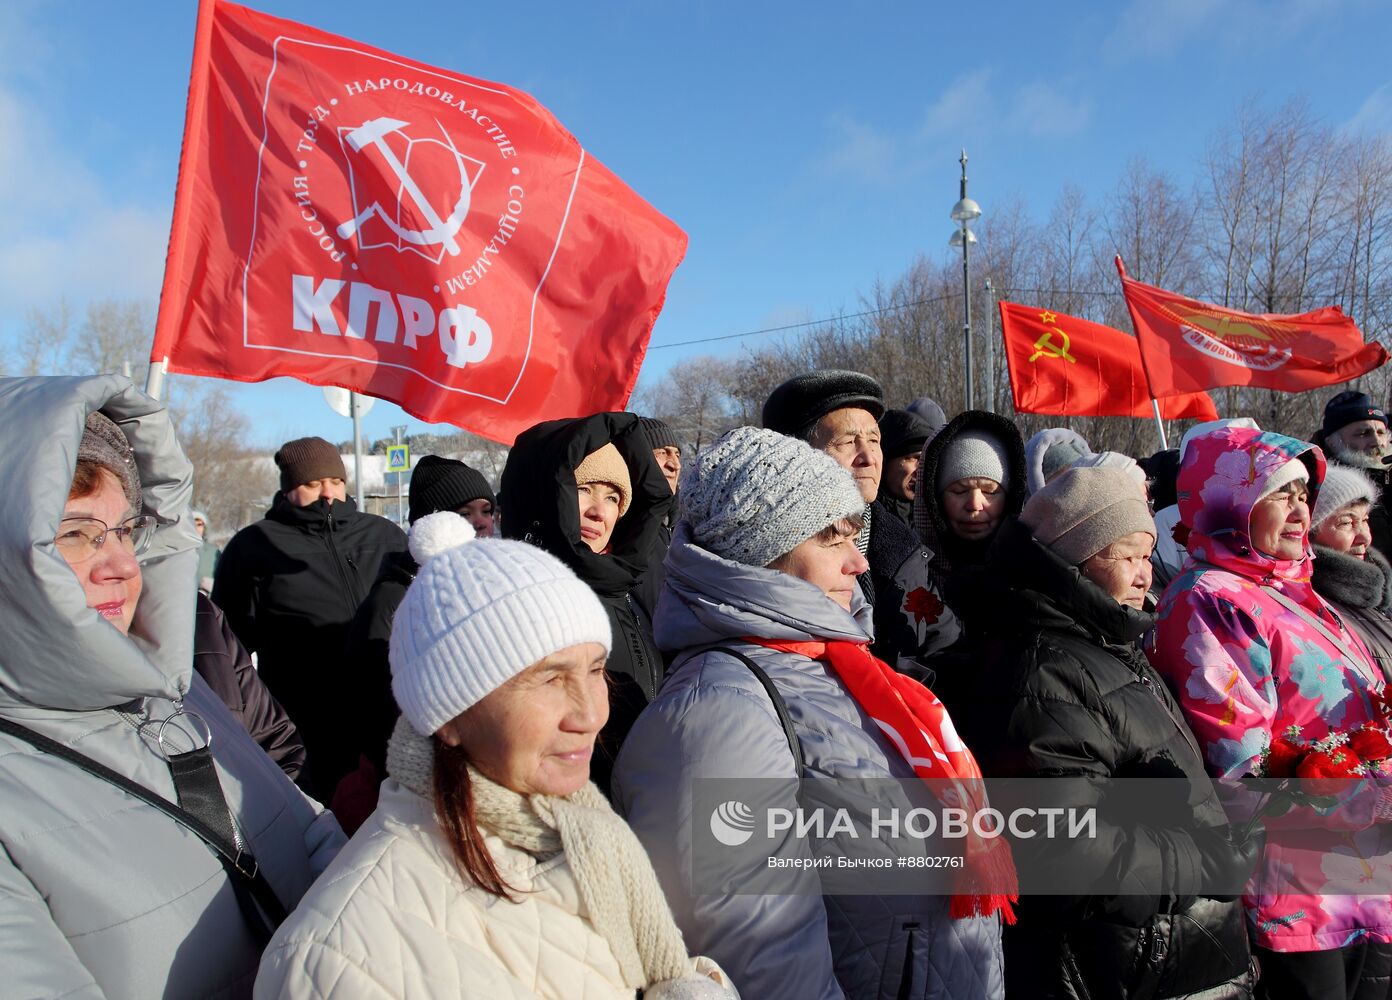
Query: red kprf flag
{"points": [[1067, 366], [349, 217], [1188, 345]]}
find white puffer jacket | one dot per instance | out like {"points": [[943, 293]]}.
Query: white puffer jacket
{"points": [[393, 918]]}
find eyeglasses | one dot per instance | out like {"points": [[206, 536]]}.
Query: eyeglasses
{"points": [[80, 538]]}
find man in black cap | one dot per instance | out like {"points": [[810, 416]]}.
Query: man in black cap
{"points": [[290, 583], [902, 437], [838, 412], [1355, 433]]}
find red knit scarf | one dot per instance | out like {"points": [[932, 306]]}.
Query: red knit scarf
{"points": [[915, 721]]}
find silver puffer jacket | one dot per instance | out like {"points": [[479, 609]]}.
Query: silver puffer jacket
{"points": [[713, 719], [102, 895]]}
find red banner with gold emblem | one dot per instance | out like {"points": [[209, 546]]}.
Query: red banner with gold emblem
{"points": [[1188, 345], [349, 217], [1066, 366]]}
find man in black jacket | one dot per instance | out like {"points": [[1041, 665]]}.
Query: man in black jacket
{"points": [[838, 412], [291, 583]]}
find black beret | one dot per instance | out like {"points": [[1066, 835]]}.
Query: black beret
{"points": [[804, 399]]}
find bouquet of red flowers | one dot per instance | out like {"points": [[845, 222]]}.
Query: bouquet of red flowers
{"points": [[1312, 772]]}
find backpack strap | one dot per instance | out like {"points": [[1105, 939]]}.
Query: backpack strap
{"points": [[780, 707], [196, 782]]}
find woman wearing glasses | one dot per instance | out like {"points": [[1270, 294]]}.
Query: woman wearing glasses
{"points": [[147, 845]]}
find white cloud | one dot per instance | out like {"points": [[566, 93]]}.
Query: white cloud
{"points": [[1041, 109], [965, 102], [64, 231], [1374, 115], [1154, 28], [861, 151]]}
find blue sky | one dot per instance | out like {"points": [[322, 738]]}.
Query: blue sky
{"points": [[806, 148]]}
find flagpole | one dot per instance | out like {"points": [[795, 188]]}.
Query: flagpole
{"points": [[168, 314], [1159, 424]]}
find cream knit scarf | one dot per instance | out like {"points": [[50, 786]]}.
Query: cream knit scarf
{"points": [[616, 881]]}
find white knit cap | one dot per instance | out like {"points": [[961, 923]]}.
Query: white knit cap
{"points": [[756, 494], [1292, 471], [1342, 486], [479, 613]]}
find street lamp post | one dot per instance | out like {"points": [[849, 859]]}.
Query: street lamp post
{"points": [[964, 213]]}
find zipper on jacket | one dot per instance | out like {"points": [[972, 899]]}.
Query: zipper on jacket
{"points": [[350, 592], [906, 974], [1178, 724], [640, 656]]}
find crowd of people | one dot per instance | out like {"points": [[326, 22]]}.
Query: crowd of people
{"points": [[509, 707]]}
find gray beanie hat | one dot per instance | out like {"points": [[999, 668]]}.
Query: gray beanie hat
{"points": [[1342, 486], [105, 444], [755, 495], [477, 614], [972, 455], [1084, 510], [1112, 460]]}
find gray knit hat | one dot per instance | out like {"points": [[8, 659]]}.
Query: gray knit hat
{"points": [[477, 614], [1112, 460], [105, 444], [755, 495], [972, 455], [1342, 486], [1084, 510]]}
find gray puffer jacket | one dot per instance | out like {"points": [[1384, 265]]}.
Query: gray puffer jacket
{"points": [[713, 719], [101, 895]]}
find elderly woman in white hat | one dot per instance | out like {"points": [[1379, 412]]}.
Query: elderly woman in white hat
{"points": [[1350, 573], [492, 867]]}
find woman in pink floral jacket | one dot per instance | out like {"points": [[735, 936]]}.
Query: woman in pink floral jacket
{"points": [[1251, 650]]}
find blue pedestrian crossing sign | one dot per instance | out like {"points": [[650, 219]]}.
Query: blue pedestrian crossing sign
{"points": [[398, 458]]}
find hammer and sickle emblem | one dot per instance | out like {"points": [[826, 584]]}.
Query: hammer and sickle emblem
{"points": [[1045, 346], [441, 231]]}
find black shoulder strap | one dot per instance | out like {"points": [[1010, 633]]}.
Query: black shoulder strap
{"points": [[261, 907], [780, 707]]}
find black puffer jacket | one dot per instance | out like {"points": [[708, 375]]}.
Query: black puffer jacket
{"points": [[540, 506], [224, 663], [289, 585], [949, 551], [1360, 590], [1058, 689]]}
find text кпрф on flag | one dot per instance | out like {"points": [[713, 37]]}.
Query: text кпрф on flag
{"points": [[349, 217]]}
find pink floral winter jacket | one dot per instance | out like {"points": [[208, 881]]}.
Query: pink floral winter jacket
{"points": [[1243, 666]]}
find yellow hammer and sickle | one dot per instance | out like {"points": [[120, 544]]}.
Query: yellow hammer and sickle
{"points": [[1046, 347]]}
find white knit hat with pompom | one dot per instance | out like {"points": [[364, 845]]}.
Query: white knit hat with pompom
{"points": [[478, 613]]}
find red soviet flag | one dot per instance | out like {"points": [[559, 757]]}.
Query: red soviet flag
{"points": [[1067, 366], [349, 217], [1189, 345]]}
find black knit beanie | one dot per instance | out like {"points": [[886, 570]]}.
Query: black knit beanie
{"points": [[306, 460], [445, 484], [1346, 408], [657, 432], [903, 433]]}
